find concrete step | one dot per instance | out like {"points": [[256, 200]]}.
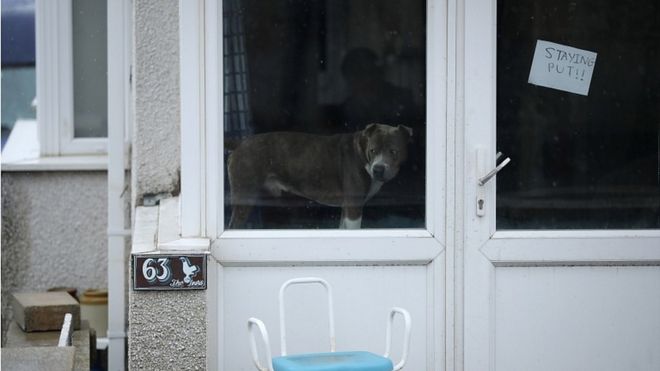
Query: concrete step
{"points": [[38, 359], [83, 341], [44, 311]]}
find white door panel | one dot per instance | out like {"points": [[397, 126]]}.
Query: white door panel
{"points": [[577, 318], [363, 296]]}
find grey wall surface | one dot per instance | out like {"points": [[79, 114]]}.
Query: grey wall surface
{"points": [[156, 140], [167, 330], [53, 232]]}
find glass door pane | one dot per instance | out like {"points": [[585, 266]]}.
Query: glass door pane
{"points": [[304, 81], [581, 159]]}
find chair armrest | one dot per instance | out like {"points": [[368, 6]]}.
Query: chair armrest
{"points": [[406, 335], [253, 344]]}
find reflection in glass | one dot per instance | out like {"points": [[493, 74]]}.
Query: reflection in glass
{"points": [[580, 161], [90, 65], [324, 68]]}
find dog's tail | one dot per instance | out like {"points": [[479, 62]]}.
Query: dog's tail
{"points": [[232, 143]]}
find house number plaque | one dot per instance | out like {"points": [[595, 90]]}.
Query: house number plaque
{"points": [[169, 272]]}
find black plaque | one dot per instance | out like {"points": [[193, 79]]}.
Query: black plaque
{"points": [[169, 272]]}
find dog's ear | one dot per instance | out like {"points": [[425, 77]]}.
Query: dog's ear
{"points": [[407, 131], [369, 129], [364, 137]]}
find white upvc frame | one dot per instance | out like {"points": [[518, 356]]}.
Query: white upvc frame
{"points": [[202, 143], [196, 161], [120, 114], [54, 66], [485, 248], [202, 183]]}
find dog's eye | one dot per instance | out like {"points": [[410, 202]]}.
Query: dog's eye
{"points": [[372, 151], [394, 152]]}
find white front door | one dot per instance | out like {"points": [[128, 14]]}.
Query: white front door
{"points": [[556, 268], [562, 257], [328, 68]]}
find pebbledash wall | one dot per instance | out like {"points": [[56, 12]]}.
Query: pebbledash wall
{"points": [[156, 150], [167, 330], [53, 221], [54, 225], [53, 232]]}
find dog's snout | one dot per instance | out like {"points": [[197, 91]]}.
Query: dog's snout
{"points": [[379, 171]]}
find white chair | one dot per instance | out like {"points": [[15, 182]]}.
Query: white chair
{"points": [[329, 361]]}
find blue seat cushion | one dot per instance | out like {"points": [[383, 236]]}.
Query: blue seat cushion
{"points": [[338, 361]]}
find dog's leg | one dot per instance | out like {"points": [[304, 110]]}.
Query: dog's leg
{"points": [[347, 223], [244, 185], [239, 215], [351, 217], [244, 196]]}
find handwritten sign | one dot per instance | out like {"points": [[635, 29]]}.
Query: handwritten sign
{"points": [[169, 272], [562, 67]]}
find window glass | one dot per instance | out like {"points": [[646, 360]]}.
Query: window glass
{"points": [[304, 82], [18, 55], [580, 159], [90, 87]]}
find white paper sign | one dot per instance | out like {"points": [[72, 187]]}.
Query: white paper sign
{"points": [[562, 67]]}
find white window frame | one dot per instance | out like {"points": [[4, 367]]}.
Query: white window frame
{"points": [[202, 172], [54, 66]]}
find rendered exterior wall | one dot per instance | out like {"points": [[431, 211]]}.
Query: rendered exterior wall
{"points": [[167, 329], [53, 232], [156, 140]]}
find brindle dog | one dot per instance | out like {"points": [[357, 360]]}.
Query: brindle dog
{"points": [[343, 170]]}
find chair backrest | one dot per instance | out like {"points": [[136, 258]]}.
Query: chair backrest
{"points": [[331, 315]]}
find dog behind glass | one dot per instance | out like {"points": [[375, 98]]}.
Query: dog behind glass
{"points": [[343, 170]]}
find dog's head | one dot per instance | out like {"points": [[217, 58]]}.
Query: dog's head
{"points": [[385, 148]]}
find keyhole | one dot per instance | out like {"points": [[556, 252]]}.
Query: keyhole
{"points": [[481, 204]]}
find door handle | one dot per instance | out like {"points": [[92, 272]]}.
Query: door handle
{"points": [[484, 179], [481, 189]]}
